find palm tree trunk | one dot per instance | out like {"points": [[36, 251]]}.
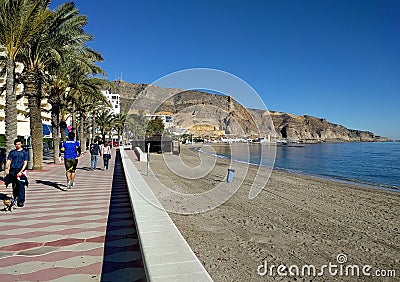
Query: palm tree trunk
{"points": [[55, 116], [62, 128], [74, 126], [34, 101], [93, 127], [74, 121], [86, 136], [82, 130], [11, 115]]}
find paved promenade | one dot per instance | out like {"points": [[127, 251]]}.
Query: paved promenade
{"points": [[86, 233]]}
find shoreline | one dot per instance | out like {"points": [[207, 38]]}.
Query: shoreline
{"points": [[339, 179], [352, 182], [294, 220]]}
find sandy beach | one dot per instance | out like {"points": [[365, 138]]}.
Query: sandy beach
{"points": [[295, 221]]}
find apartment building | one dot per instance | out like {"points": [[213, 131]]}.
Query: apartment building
{"points": [[23, 122], [114, 100]]}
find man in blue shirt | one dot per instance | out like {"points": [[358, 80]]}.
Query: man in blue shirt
{"points": [[72, 150], [17, 161]]}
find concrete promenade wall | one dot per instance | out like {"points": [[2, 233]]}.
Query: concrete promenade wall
{"points": [[166, 254]]}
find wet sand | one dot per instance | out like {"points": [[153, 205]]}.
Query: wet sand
{"points": [[295, 220]]}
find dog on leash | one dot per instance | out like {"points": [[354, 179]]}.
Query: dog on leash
{"points": [[8, 204]]}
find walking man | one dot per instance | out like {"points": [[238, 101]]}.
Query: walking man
{"points": [[94, 154], [72, 150], [17, 161]]}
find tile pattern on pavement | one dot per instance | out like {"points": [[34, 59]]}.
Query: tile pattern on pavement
{"points": [[86, 233]]}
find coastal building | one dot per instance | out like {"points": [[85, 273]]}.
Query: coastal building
{"points": [[166, 119], [23, 122], [114, 100]]}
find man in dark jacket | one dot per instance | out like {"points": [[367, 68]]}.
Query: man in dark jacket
{"points": [[94, 153], [17, 161]]}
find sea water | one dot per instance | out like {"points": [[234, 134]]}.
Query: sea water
{"points": [[376, 163]]}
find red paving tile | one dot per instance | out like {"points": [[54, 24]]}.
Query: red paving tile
{"points": [[8, 277], [99, 239], [20, 246], [45, 198], [13, 260]]}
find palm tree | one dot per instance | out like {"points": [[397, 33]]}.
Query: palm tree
{"points": [[96, 108], [135, 126], [87, 94], [119, 123], [105, 119], [62, 35], [20, 21], [57, 90]]}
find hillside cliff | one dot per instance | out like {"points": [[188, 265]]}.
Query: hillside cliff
{"points": [[217, 115]]}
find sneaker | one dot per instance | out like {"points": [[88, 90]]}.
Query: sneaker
{"points": [[20, 205], [68, 184], [71, 184]]}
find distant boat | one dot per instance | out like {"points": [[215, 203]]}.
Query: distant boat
{"points": [[266, 139], [281, 142], [294, 141]]}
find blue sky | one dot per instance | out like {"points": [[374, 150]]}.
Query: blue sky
{"points": [[338, 60]]}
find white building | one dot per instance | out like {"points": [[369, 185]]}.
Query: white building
{"points": [[23, 126], [166, 119], [114, 100]]}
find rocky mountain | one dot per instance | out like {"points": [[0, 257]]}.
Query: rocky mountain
{"points": [[213, 115]]}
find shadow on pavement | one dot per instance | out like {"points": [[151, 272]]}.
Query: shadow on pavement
{"points": [[84, 168], [4, 196], [52, 184], [122, 256]]}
